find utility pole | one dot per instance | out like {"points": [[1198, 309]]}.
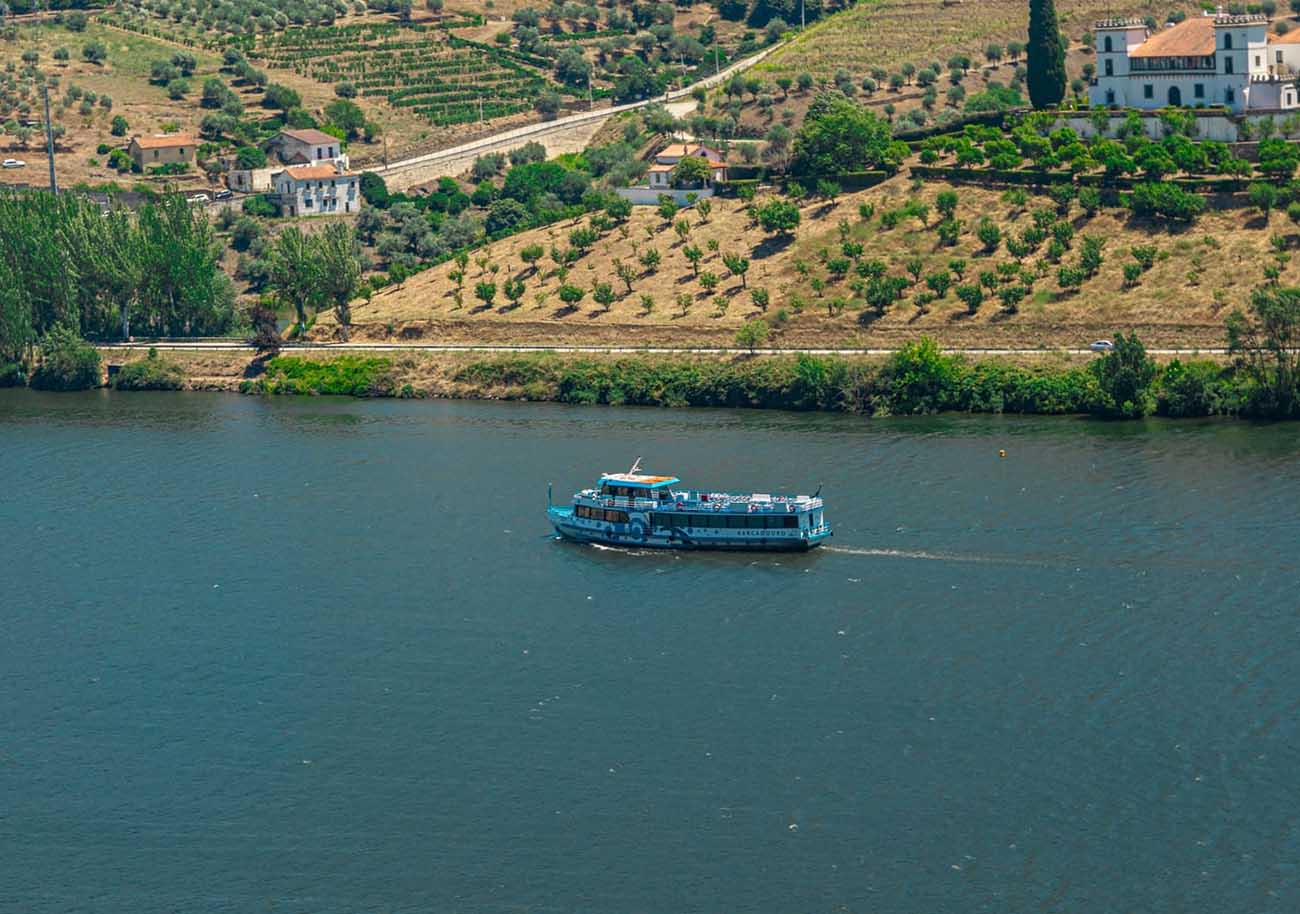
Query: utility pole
{"points": [[591, 99], [802, 21], [716, 68], [49, 141]]}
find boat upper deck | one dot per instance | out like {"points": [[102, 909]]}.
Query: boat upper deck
{"points": [[667, 499]]}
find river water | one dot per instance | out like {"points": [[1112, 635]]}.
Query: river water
{"points": [[317, 655]]}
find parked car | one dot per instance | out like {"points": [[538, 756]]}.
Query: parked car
{"points": [[1102, 346], [14, 163], [198, 198], [223, 194]]}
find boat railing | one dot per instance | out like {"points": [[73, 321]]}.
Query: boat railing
{"points": [[710, 501]]}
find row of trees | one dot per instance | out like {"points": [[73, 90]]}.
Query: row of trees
{"points": [[63, 262]]}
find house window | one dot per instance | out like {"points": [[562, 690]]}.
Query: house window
{"points": [[1227, 41], [1227, 65], [1256, 60], [1108, 45], [1148, 91], [1198, 90], [1229, 97], [1279, 56], [155, 153], [1110, 67], [1110, 97]]}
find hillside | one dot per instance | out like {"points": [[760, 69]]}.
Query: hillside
{"points": [[896, 32], [1196, 276]]}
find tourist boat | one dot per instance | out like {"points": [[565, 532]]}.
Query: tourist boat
{"points": [[635, 509]]}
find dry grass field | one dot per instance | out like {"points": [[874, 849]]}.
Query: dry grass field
{"points": [[1198, 276]]}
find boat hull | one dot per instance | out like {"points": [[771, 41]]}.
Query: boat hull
{"points": [[562, 521]]}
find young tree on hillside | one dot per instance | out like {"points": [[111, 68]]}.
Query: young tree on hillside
{"points": [[346, 116], [752, 334], [1266, 345], [339, 257], [281, 98], [295, 274], [1046, 55]]}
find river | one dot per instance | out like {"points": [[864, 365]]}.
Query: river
{"points": [[322, 655]]}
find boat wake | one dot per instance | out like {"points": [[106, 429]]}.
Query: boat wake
{"points": [[925, 556]]}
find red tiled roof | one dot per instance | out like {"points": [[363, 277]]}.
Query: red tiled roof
{"points": [[681, 150], [315, 172], [1193, 37], [165, 141], [315, 137]]}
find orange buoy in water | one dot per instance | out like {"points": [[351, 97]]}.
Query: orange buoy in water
{"points": [[1002, 453]]}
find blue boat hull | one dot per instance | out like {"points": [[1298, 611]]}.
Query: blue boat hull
{"points": [[563, 522]]}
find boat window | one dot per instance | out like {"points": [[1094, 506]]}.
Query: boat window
{"points": [[613, 517]]}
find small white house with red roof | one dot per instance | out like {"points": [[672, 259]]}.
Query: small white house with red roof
{"points": [[660, 172], [317, 190]]}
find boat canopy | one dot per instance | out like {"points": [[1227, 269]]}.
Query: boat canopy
{"points": [[636, 480]]}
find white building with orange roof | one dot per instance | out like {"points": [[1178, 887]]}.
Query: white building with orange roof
{"points": [[659, 175], [317, 190], [162, 149], [1212, 60]]}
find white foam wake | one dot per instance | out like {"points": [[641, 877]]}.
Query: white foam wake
{"points": [[923, 555]]}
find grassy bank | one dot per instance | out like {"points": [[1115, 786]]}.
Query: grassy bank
{"points": [[918, 379]]}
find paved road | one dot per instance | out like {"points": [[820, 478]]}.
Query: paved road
{"points": [[517, 136], [241, 346]]}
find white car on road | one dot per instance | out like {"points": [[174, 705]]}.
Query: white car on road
{"points": [[14, 163], [198, 198], [1102, 346]]}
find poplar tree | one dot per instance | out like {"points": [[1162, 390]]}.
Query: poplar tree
{"points": [[1046, 56]]}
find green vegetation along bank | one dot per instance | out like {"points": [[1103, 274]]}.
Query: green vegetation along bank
{"points": [[1262, 379], [919, 379]]}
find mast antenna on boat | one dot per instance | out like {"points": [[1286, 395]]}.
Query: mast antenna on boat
{"points": [[636, 468]]}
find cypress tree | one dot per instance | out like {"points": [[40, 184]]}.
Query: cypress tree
{"points": [[1046, 56]]}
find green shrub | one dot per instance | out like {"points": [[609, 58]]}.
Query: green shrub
{"points": [[67, 362], [11, 375], [151, 373], [1167, 200], [346, 375], [1125, 376], [261, 205], [919, 378], [1198, 388]]}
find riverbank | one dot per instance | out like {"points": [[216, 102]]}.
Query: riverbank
{"points": [[919, 378]]}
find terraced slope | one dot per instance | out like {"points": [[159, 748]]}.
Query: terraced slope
{"points": [[889, 33]]}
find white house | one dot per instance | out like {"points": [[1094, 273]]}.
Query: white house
{"points": [[659, 174], [317, 190], [1215, 59], [291, 147], [305, 147]]}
